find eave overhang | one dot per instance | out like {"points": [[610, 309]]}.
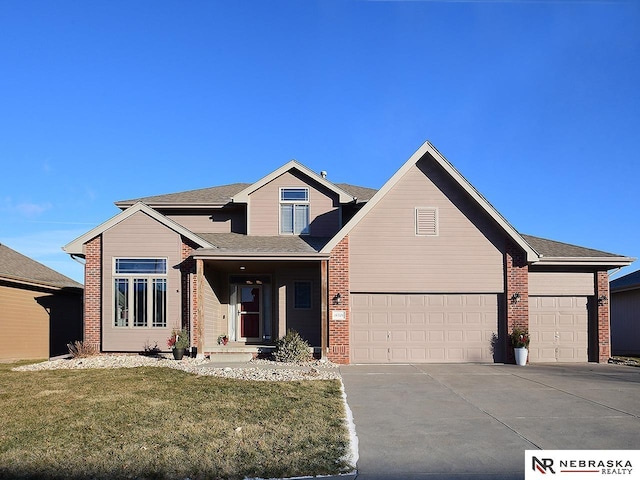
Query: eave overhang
{"points": [[174, 206], [602, 262], [36, 284]]}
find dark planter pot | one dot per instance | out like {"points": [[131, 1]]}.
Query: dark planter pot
{"points": [[178, 353]]}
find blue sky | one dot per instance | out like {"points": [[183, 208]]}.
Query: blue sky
{"points": [[537, 103]]}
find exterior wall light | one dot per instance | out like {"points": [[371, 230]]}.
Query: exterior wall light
{"points": [[602, 300], [337, 299], [515, 298]]}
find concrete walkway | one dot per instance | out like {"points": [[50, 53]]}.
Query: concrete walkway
{"points": [[475, 421]]}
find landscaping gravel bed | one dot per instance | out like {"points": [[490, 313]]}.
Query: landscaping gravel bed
{"points": [[257, 370]]}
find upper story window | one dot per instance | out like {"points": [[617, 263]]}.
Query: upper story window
{"points": [[140, 292], [294, 211]]}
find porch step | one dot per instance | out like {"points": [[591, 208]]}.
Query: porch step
{"points": [[230, 357]]}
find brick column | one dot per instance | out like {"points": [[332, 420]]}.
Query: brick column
{"points": [[93, 292], [339, 283], [602, 307], [517, 282]]}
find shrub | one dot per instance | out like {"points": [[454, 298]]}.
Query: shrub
{"points": [[520, 338], [291, 348], [79, 349], [150, 351]]}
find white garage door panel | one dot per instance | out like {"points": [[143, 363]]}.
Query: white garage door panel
{"points": [[559, 329], [422, 328]]}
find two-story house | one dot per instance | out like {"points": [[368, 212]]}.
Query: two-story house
{"points": [[422, 270]]}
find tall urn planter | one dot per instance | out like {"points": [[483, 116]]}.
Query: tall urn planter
{"points": [[520, 343], [521, 356]]}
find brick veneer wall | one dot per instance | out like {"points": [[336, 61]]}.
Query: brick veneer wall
{"points": [[339, 283], [517, 281], [189, 297], [93, 292], [604, 336]]}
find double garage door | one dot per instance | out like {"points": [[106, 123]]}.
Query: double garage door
{"points": [[396, 328]]}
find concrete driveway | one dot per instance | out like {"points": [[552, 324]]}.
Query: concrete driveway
{"points": [[476, 421]]}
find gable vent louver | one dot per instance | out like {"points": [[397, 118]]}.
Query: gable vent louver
{"points": [[426, 221]]}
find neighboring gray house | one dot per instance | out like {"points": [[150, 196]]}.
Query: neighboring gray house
{"points": [[422, 270], [40, 309], [625, 314]]}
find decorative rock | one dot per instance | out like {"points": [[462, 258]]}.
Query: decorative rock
{"points": [[256, 370]]}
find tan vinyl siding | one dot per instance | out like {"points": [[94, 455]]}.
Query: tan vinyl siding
{"points": [[214, 307], [465, 256], [212, 222], [140, 236], [561, 283], [625, 322], [24, 324], [264, 208]]}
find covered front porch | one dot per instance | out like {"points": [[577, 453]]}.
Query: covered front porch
{"points": [[254, 301]]}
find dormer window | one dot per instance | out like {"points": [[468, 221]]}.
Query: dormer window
{"points": [[294, 211]]}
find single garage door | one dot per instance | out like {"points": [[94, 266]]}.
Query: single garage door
{"points": [[558, 327], [395, 328]]}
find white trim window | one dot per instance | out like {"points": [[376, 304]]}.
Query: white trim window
{"points": [[140, 292], [294, 211]]}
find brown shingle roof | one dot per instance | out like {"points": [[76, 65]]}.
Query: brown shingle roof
{"points": [[236, 243], [16, 267], [551, 248], [629, 281], [363, 194], [220, 195]]}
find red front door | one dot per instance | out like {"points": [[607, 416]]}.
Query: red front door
{"points": [[249, 311]]}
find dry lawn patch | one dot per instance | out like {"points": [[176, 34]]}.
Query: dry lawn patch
{"points": [[157, 423]]}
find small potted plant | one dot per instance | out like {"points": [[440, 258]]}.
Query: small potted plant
{"points": [[178, 342], [223, 339], [520, 342]]}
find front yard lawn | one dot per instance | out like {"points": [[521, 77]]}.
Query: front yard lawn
{"points": [[163, 423]]}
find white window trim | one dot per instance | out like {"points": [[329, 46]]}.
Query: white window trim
{"points": [[294, 203], [436, 221], [130, 277]]}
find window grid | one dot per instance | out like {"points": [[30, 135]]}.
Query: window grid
{"points": [[140, 295], [294, 211]]}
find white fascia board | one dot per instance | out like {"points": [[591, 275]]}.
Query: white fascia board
{"points": [[243, 196], [181, 206], [428, 148], [256, 257], [610, 262], [75, 246]]}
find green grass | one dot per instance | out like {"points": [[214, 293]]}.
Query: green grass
{"points": [[162, 423]]}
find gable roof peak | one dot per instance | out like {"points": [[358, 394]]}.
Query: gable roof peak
{"points": [[243, 196], [75, 246], [427, 149]]}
